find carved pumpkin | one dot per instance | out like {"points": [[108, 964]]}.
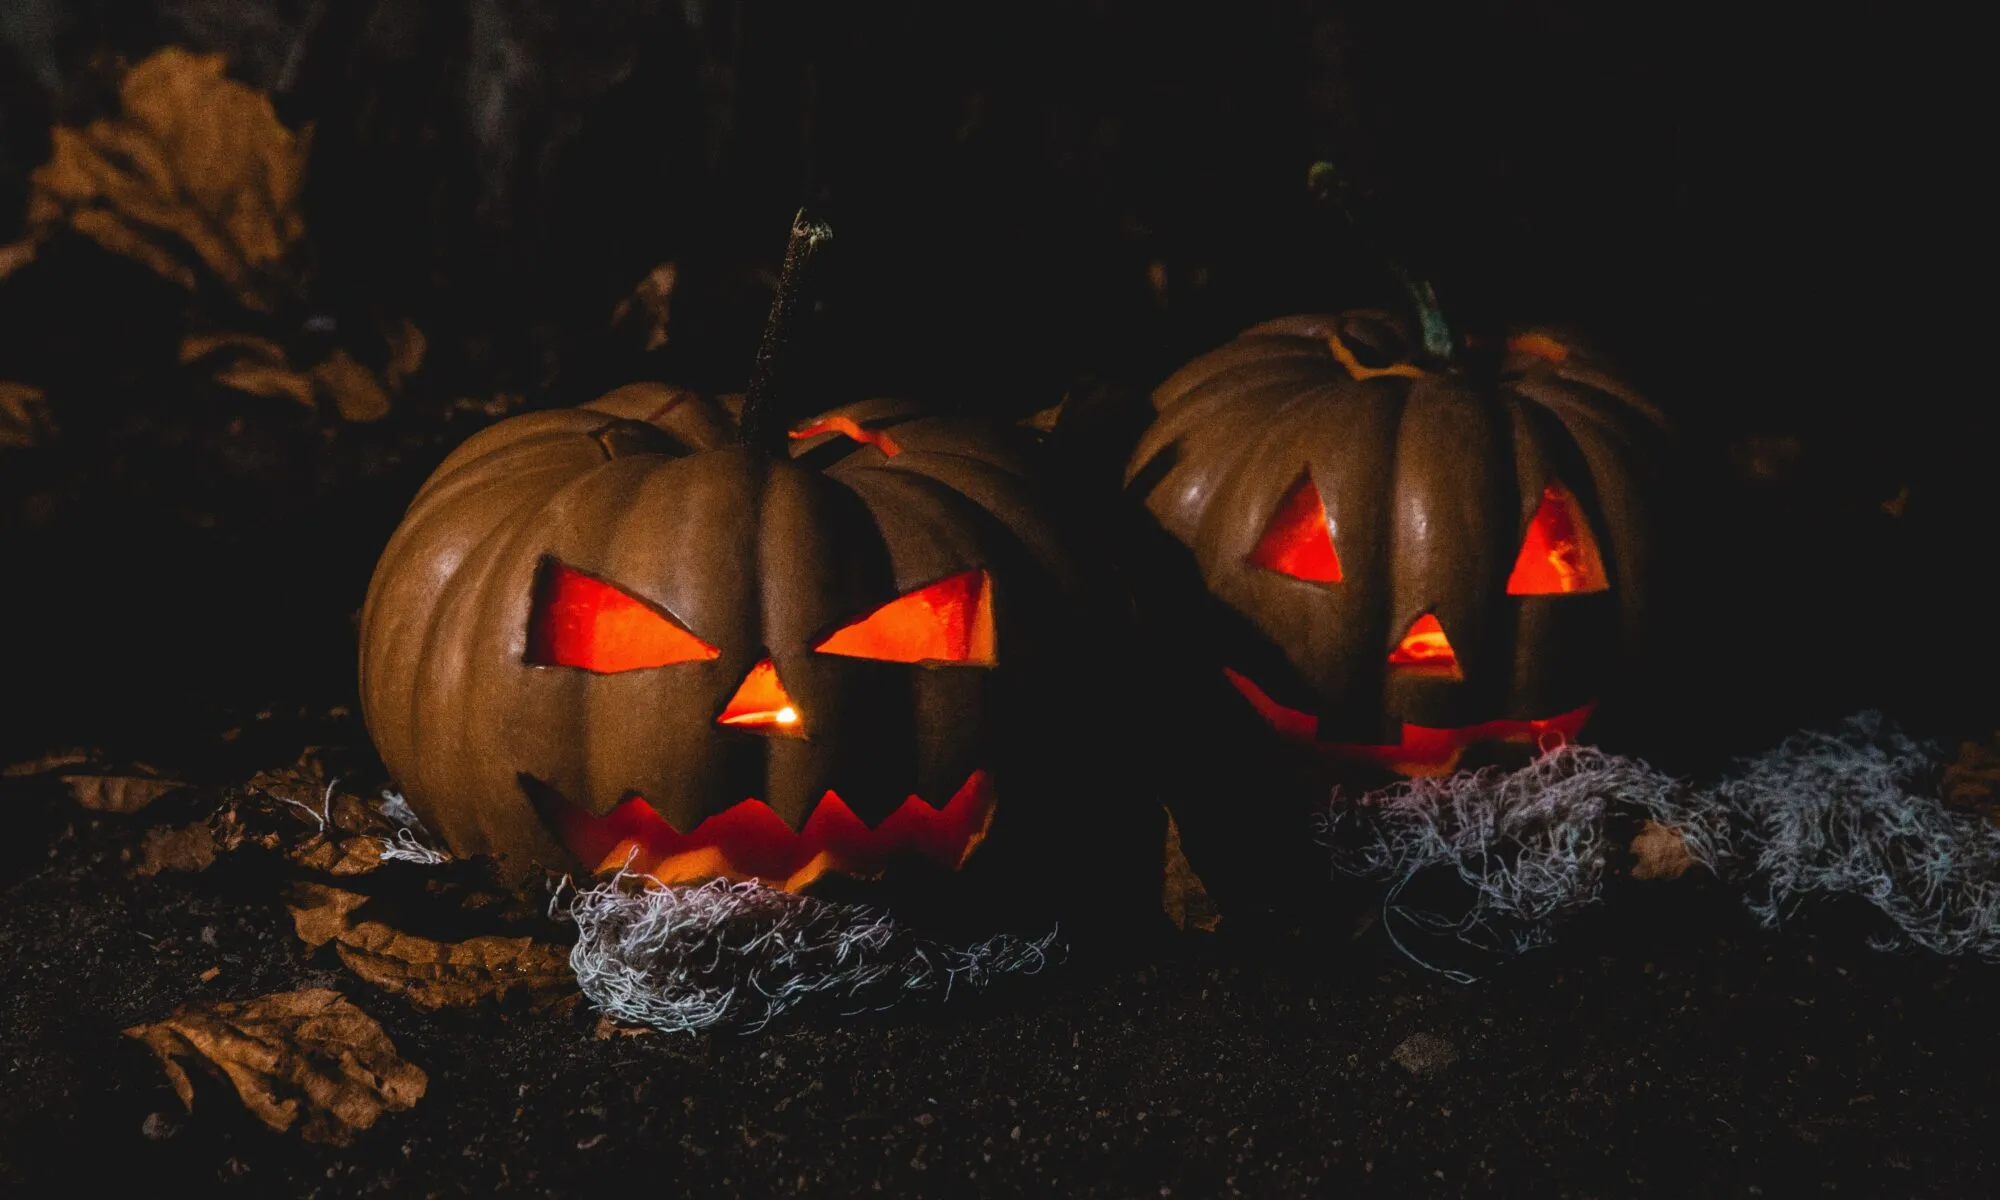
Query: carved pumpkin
{"points": [[624, 635], [613, 634], [1416, 553]]}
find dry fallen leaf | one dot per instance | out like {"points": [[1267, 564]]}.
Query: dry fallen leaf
{"points": [[407, 346], [1659, 852], [353, 388], [54, 760], [308, 1059], [118, 793], [339, 855], [646, 313], [15, 255], [1044, 420], [195, 172], [24, 416], [609, 1027], [248, 364], [188, 848], [430, 974], [260, 367], [1972, 778], [1183, 897]]}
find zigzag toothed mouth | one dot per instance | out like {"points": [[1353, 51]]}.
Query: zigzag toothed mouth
{"points": [[1421, 750], [751, 841]]}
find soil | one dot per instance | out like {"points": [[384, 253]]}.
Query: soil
{"points": [[1666, 1048]]}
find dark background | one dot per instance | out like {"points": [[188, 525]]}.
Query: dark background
{"points": [[1769, 218], [1766, 218]]}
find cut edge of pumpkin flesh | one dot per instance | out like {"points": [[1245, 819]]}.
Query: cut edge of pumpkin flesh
{"points": [[1358, 372], [750, 842]]}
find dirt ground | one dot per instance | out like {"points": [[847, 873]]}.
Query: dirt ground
{"points": [[1667, 1048]]}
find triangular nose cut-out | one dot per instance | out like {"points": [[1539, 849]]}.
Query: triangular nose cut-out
{"points": [[1299, 540], [1425, 650], [761, 705]]}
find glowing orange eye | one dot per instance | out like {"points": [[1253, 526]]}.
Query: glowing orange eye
{"points": [[950, 621], [1299, 540], [578, 621], [1559, 554]]}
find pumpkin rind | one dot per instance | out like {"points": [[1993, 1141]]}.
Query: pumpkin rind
{"points": [[646, 489], [1429, 476]]}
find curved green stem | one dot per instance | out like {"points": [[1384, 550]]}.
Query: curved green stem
{"points": [[1440, 342], [765, 421]]}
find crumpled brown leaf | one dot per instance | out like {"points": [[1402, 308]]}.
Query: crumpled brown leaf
{"points": [[1183, 896], [260, 367], [646, 313], [430, 974], [349, 835], [24, 416], [118, 793], [308, 1059], [15, 255], [1044, 420], [196, 172], [1972, 778], [54, 760], [188, 848], [1659, 852]]}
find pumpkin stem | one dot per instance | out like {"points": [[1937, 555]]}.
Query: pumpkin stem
{"points": [[1327, 187], [764, 421]]}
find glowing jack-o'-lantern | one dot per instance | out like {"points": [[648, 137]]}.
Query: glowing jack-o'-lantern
{"points": [[1421, 551], [635, 641], [624, 635]]}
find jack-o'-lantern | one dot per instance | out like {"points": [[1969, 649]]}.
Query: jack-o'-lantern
{"points": [[622, 635], [1420, 551]]}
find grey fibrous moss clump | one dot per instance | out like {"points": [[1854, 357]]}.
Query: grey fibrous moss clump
{"points": [[723, 954], [1842, 813]]}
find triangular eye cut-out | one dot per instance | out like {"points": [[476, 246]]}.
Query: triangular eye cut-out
{"points": [[950, 621], [762, 705], [1425, 650], [578, 621], [1559, 554], [1299, 540]]}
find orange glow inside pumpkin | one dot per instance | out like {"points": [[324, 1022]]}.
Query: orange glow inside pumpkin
{"points": [[1559, 554], [1299, 540], [849, 427], [762, 705], [1420, 749], [578, 621], [1425, 650], [950, 621], [750, 841]]}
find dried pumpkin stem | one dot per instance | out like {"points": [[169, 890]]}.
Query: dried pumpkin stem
{"points": [[764, 419], [1329, 189]]}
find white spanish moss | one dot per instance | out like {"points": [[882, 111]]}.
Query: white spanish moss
{"points": [[717, 954], [1839, 813]]}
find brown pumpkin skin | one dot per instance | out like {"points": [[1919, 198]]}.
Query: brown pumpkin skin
{"points": [[647, 489], [1430, 475]]}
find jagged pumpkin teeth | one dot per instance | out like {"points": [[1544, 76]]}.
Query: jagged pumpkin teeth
{"points": [[597, 627], [750, 841], [1474, 532]]}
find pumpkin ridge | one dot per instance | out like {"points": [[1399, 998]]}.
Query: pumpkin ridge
{"points": [[532, 444], [460, 599]]}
